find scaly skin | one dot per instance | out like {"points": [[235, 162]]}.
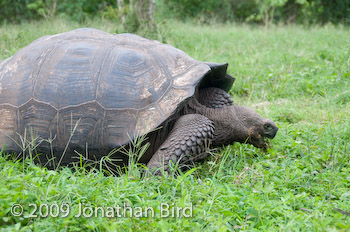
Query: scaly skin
{"points": [[186, 142], [211, 120], [214, 98]]}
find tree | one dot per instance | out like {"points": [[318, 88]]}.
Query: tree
{"points": [[267, 10], [137, 13]]}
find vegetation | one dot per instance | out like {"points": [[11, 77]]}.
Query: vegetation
{"points": [[138, 12], [298, 77]]}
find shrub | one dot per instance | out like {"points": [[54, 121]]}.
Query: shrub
{"points": [[257, 11]]}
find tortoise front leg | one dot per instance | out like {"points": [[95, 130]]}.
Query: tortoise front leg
{"points": [[186, 142]]}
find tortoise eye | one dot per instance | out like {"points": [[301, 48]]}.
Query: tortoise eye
{"points": [[268, 127]]}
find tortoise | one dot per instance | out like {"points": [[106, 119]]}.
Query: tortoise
{"points": [[91, 90]]}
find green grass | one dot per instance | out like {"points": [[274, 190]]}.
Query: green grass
{"points": [[299, 77]]}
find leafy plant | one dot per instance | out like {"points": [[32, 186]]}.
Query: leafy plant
{"points": [[267, 10], [45, 8]]}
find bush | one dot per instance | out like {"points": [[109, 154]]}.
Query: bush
{"points": [[79, 10], [16, 10], [257, 11], [194, 8], [262, 11]]}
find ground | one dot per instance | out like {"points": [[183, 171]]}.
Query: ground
{"points": [[297, 76]]}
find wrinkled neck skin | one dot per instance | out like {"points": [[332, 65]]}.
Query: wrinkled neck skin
{"points": [[228, 124]]}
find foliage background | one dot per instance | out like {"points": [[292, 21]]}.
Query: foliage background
{"points": [[256, 11]]}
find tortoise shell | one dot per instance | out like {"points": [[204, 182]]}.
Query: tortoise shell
{"points": [[89, 87]]}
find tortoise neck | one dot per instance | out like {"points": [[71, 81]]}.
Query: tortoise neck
{"points": [[228, 127]]}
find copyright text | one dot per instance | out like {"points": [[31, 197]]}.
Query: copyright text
{"points": [[118, 211]]}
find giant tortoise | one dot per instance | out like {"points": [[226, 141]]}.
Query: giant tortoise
{"points": [[88, 90]]}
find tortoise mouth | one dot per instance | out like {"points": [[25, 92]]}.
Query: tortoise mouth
{"points": [[261, 142], [266, 143], [260, 138]]}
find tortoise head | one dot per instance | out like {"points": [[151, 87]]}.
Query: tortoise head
{"points": [[242, 124], [254, 129]]}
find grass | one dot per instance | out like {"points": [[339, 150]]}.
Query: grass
{"points": [[299, 77]]}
